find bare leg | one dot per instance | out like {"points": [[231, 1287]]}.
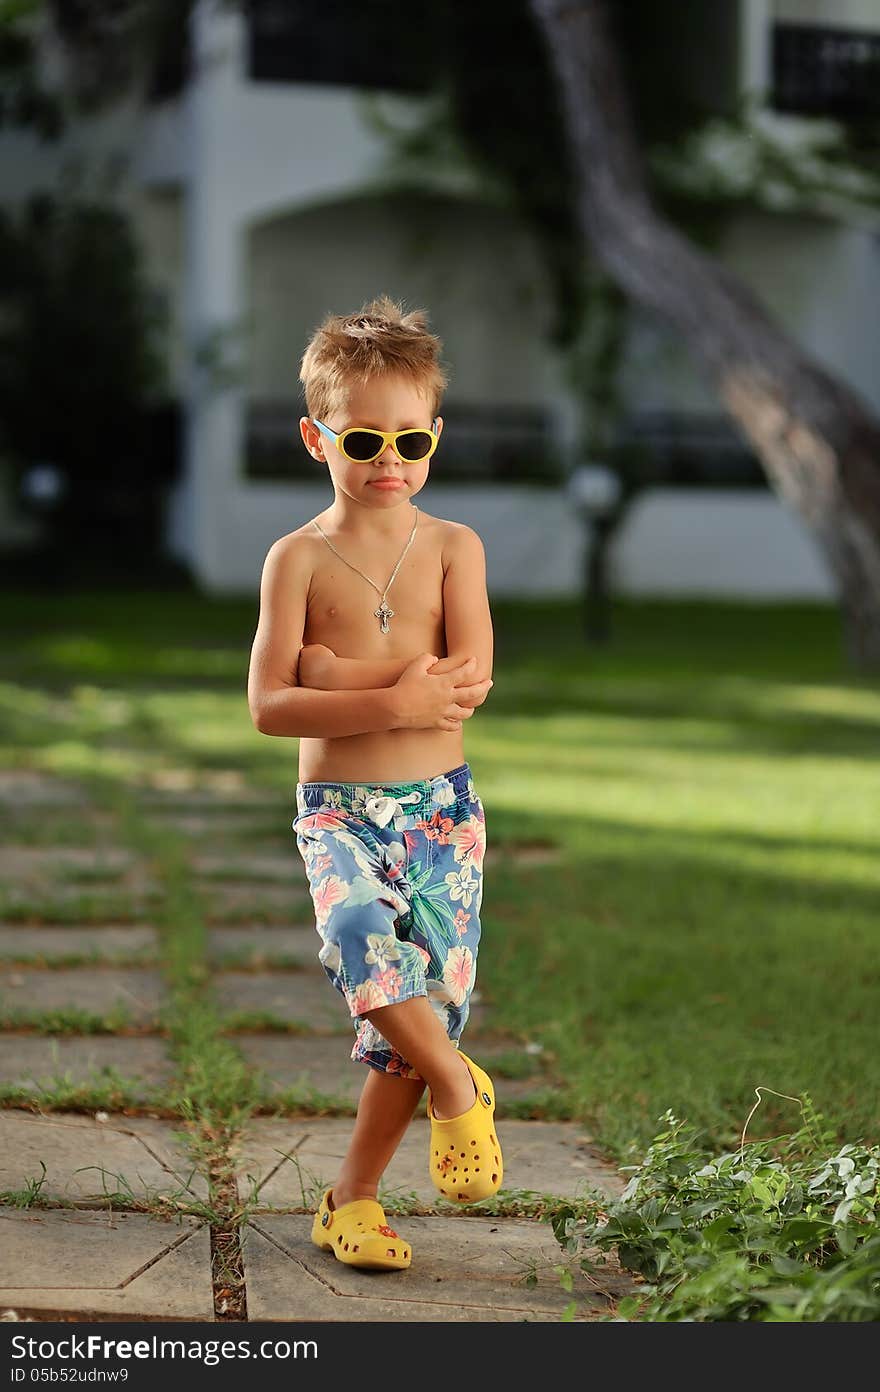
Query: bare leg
{"points": [[384, 1112], [416, 1032], [388, 1101]]}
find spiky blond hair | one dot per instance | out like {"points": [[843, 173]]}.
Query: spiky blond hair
{"points": [[378, 339]]}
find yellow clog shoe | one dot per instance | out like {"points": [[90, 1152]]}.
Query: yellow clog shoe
{"points": [[358, 1234], [465, 1159]]}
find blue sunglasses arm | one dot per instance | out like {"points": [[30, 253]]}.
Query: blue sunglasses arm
{"points": [[326, 429]]}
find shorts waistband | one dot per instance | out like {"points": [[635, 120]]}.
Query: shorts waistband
{"points": [[383, 801]]}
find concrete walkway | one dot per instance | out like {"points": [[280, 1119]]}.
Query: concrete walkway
{"points": [[112, 1211]]}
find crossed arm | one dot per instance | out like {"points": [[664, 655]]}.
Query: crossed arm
{"points": [[320, 667], [467, 623]]}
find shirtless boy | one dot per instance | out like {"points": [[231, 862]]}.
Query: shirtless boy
{"points": [[374, 645]]}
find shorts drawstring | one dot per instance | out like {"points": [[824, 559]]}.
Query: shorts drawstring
{"points": [[381, 809]]}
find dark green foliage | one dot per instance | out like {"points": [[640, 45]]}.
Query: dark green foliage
{"points": [[782, 1229], [80, 348]]}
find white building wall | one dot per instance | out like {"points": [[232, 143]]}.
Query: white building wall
{"points": [[726, 542], [675, 541], [820, 281], [835, 14], [471, 266], [240, 192]]}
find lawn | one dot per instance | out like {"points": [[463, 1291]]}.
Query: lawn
{"points": [[710, 778]]}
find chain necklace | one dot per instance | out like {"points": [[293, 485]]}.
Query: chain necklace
{"points": [[384, 612]]}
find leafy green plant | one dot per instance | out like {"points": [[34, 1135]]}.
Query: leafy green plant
{"points": [[780, 1229]]}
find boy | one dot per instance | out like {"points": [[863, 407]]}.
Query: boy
{"points": [[389, 824]]}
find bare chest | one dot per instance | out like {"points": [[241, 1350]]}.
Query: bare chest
{"points": [[342, 606]]}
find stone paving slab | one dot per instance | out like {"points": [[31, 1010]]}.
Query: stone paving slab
{"points": [[464, 1270], [128, 1264], [52, 825], [31, 990], [93, 902], [305, 998], [204, 789], [547, 1157], [287, 869], [30, 862], [260, 943], [19, 941], [233, 901], [291, 1062], [29, 788], [218, 822], [33, 1060], [139, 1155]]}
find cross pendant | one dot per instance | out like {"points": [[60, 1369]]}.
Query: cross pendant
{"points": [[383, 614]]}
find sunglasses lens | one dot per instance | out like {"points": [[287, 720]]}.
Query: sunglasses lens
{"points": [[362, 444], [414, 445]]}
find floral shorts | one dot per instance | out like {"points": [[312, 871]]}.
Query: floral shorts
{"points": [[396, 878]]}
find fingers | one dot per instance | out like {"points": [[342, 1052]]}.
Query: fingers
{"points": [[465, 666], [483, 685], [461, 712], [473, 694]]}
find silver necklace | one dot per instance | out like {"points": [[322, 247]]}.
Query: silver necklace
{"points": [[384, 612]]}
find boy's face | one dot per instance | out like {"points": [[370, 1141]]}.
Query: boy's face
{"points": [[384, 403]]}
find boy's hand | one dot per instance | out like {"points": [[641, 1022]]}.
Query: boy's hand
{"points": [[436, 701], [473, 694]]}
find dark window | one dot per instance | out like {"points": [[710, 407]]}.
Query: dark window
{"points": [[384, 44], [171, 67], [688, 450], [826, 72], [479, 444]]}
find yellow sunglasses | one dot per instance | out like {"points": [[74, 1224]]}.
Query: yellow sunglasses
{"points": [[362, 445]]}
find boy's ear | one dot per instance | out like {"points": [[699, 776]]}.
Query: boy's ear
{"points": [[311, 437]]}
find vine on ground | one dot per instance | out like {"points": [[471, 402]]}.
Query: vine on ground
{"points": [[781, 1229]]}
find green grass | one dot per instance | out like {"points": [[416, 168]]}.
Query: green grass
{"points": [[710, 777]]}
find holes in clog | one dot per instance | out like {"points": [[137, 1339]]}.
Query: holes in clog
{"points": [[494, 1179], [355, 1248], [391, 1252], [345, 1248], [339, 1238]]}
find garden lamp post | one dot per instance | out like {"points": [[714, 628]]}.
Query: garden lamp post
{"points": [[597, 494]]}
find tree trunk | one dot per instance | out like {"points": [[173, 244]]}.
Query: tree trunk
{"points": [[818, 442]]}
